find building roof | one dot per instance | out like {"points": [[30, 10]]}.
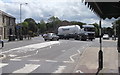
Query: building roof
{"points": [[104, 9], [6, 14]]}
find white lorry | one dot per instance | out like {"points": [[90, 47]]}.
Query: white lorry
{"points": [[66, 32], [74, 31]]}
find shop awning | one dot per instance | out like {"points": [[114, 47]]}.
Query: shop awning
{"points": [[104, 9]]}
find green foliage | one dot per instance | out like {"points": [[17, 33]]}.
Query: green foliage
{"points": [[32, 25], [25, 24], [117, 22], [54, 23], [96, 29], [24, 28], [42, 26]]}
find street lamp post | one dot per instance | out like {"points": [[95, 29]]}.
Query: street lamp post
{"points": [[20, 32], [21, 11]]}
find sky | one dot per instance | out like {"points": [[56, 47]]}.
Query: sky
{"points": [[71, 10]]}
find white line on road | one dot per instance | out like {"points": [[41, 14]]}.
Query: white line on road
{"points": [[27, 55], [33, 46], [50, 61], [3, 64], [79, 71], [27, 69], [15, 59], [12, 55], [34, 60], [60, 69], [71, 58]]}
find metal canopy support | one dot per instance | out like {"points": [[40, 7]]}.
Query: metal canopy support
{"points": [[100, 53]]}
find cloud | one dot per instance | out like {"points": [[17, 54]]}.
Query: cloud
{"points": [[71, 10]]}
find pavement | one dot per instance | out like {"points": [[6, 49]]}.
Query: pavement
{"points": [[88, 62]]}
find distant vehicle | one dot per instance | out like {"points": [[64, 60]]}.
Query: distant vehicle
{"points": [[50, 36], [74, 31], [70, 31], [88, 32], [106, 36]]}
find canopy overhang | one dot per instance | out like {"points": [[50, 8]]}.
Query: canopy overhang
{"points": [[104, 9]]}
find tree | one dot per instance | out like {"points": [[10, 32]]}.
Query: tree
{"points": [[110, 31], [30, 20], [42, 26], [32, 25], [117, 22], [96, 29], [54, 22], [25, 28]]}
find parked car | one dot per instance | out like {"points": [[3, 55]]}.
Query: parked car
{"points": [[50, 36], [106, 36]]}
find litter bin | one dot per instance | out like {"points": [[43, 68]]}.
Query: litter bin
{"points": [[11, 38], [2, 43], [21, 37]]}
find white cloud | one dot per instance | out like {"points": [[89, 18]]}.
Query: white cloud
{"points": [[72, 10]]}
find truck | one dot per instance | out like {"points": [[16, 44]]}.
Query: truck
{"points": [[76, 32], [87, 32], [70, 31]]}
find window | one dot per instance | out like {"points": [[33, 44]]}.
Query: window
{"points": [[3, 19]]}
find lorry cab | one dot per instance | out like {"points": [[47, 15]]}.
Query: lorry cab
{"points": [[88, 32]]}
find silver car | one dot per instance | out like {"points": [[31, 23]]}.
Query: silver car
{"points": [[106, 36], [50, 36]]}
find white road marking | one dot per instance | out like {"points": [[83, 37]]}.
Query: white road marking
{"points": [[34, 60], [33, 47], [27, 69], [27, 55], [15, 59], [79, 71], [3, 64], [60, 69], [71, 58], [12, 55], [50, 61], [79, 51]]}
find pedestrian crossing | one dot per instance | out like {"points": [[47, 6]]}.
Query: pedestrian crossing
{"points": [[3, 64], [28, 67]]}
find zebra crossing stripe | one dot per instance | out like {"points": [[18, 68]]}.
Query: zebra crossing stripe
{"points": [[3, 64], [15, 59], [27, 69], [60, 69]]}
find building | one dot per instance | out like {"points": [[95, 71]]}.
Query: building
{"points": [[7, 25]]}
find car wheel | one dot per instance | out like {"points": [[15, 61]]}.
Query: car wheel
{"points": [[45, 39]]}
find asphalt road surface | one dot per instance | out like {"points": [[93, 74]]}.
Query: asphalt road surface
{"points": [[39, 56]]}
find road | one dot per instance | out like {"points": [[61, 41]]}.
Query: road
{"points": [[39, 56]]}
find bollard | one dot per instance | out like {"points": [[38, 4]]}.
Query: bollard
{"points": [[2, 44], [100, 60]]}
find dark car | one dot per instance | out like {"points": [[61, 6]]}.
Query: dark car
{"points": [[50, 36]]}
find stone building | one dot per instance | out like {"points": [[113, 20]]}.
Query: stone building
{"points": [[7, 25]]}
